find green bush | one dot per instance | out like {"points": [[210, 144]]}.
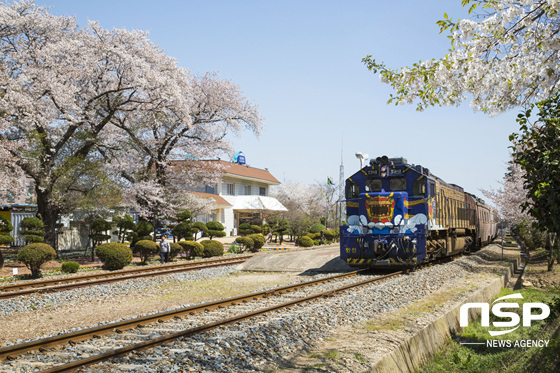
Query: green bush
{"points": [[32, 229], [215, 229], [199, 227], [329, 234], [245, 229], [256, 229], [34, 255], [234, 248], [146, 249], [258, 240], [305, 241], [70, 267], [212, 248], [114, 255], [246, 242], [191, 248], [175, 250], [6, 239], [317, 228]]}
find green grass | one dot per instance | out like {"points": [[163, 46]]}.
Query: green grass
{"points": [[479, 358]]}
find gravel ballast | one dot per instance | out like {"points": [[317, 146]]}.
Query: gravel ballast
{"points": [[272, 342]]}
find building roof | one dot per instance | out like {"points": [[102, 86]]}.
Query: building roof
{"points": [[220, 201], [248, 203], [230, 169], [248, 172]]}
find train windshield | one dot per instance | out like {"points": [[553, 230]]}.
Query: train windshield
{"points": [[419, 188], [373, 185], [397, 184], [352, 189]]}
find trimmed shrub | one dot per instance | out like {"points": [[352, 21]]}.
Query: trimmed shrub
{"points": [[114, 255], [256, 229], [215, 229], [245, 229], [146, 249], [212, 248], [305, 241], [258, 240], [199, 227], [317, 228], [329, 235], [32, 229], [246, 242], [175, 250], [34, 255], [6, 239], [70, 267], [191, 248]]}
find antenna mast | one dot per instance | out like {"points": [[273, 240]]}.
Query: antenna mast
{"points": [[341, 182]]}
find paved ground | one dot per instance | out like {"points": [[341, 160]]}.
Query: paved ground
{"points": [[324, 259]]}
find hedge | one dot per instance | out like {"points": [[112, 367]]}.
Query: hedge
{"points": [[70, 267], [212, 248], [146, 249], [34, 255], [191, 248], [258, 240], [114, 255], [305, 241]]}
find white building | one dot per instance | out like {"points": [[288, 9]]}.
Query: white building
{"points": [[241, 196]]}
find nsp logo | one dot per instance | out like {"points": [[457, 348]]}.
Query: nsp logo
{"points": [[498, 310]]}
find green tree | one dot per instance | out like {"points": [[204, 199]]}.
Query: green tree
{"points": [[183, 228], [125, 228], [199, 226], [98, 233], [32, 229], [537, 150], [5, 237], [34, 255], [142, 231], [215, 229]]}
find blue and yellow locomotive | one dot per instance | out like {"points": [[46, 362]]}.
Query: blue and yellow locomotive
{"points": [[400, 214]]}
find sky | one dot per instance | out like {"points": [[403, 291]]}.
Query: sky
{"points": [[300, 62]]}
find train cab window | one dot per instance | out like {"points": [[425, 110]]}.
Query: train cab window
{"points": [[397, 184], [432, 189], [373, 185], [419, 188], [352, 190]]}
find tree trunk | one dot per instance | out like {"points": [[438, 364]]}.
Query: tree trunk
{"points": [[49, 214], [551, 245]]}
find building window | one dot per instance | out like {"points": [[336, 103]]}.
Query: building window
{"points": [[247, 190], [230, 189], [262, 191]]}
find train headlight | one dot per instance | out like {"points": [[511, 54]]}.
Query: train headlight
{"points": [[383, 171]]}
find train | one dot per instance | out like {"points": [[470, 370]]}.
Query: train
{"points": [[401, 215]]}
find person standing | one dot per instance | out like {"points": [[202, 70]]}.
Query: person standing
{"points": [[165, 249]]}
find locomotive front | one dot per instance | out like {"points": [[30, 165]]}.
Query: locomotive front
{"points": [[389, 207]]}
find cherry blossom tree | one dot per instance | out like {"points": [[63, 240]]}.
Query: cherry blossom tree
{"points": [[510, 198], [306, 205], [65, 89], [505, 57], [158, 181]]}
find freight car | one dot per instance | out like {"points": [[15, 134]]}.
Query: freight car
{"points": [[400, 215]]}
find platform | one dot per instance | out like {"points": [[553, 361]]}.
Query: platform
{"points": [[324, 259]]}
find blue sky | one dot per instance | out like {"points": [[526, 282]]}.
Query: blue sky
{"points": [[300, 62]]}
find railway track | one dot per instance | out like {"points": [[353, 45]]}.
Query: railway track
{"points": [[66, 283], [110, 341]]}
